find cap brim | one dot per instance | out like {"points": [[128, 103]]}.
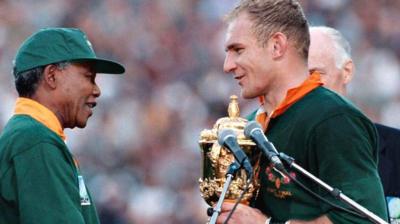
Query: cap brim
{"points": [[105, 66]]}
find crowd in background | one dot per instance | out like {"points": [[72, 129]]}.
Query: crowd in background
{"points": [[139, 152]]}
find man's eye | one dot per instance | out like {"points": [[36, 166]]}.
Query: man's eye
{"points": [[90, 77], [319, 71], [239, 50]]}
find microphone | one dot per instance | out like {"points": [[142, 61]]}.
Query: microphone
{"points": [[254, 131], [227, 138]]}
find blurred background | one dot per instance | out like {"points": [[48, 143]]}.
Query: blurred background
{"points": [[139, 152]]}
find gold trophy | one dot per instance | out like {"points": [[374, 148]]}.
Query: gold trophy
{"points": [[216, 159]]}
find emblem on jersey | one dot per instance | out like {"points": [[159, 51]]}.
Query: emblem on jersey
{"points": [[278, 180]]}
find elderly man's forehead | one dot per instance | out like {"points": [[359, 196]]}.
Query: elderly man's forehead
{"points": [[320, 40]]}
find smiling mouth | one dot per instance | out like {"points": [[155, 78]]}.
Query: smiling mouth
{"points": [[91, 105], [239, 78]]}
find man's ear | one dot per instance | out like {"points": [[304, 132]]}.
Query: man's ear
{"points": [[348, 71], [279, 44], [49, 76]]}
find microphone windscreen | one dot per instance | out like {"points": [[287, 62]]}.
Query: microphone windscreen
{"points": [[223, 134], [250, 127]]}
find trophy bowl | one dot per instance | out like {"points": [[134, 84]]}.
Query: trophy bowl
{"points": [[216, 159]]}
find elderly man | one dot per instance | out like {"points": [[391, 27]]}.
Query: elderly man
{"points": [[330, 55], [267, 44], [40, 181]]}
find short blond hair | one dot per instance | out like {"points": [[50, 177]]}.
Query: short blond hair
{"points": [[270, 16]]}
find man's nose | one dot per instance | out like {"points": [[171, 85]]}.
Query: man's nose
{"points": [[229, 63], [96, 90]]}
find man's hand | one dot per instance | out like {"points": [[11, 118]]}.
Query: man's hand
{"points": [[242, 214]]}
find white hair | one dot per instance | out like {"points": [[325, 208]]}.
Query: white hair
{"points": [[341, 45]]}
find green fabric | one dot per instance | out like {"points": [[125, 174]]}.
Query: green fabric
{"points": [[52, 45], [333, 140], [38, 178]]}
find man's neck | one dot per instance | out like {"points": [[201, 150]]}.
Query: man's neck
{"points": [[290, 79], [46, 100]]}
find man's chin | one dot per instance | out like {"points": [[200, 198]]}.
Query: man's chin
{"points": [[81, 124], [82, 121], [248, 96]]}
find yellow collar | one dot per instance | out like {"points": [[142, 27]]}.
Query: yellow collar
{"points": [[40, 113]]}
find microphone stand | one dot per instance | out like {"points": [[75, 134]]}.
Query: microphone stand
{"points": [[233, 168], [333, 191]]}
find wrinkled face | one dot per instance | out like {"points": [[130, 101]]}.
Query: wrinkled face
{"points": [[78, 93], [321, 58], [247, 59]]}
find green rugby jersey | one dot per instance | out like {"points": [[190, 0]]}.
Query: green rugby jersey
{"points": [[39, 180], [333, 140]]}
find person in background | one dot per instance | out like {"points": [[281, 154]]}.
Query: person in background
{"points": [[330, 55], [40, 181], [266, 45]]}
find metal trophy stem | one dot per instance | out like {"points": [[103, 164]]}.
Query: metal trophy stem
{"points": [[233, 168], [334, 191]]}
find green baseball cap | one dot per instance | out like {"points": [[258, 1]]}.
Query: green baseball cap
{"points": [[53, 45]]}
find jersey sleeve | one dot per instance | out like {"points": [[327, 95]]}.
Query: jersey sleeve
{"points": [[346, 150]]}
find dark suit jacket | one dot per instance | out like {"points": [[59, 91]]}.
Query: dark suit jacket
{"points": [[389, 159]]}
